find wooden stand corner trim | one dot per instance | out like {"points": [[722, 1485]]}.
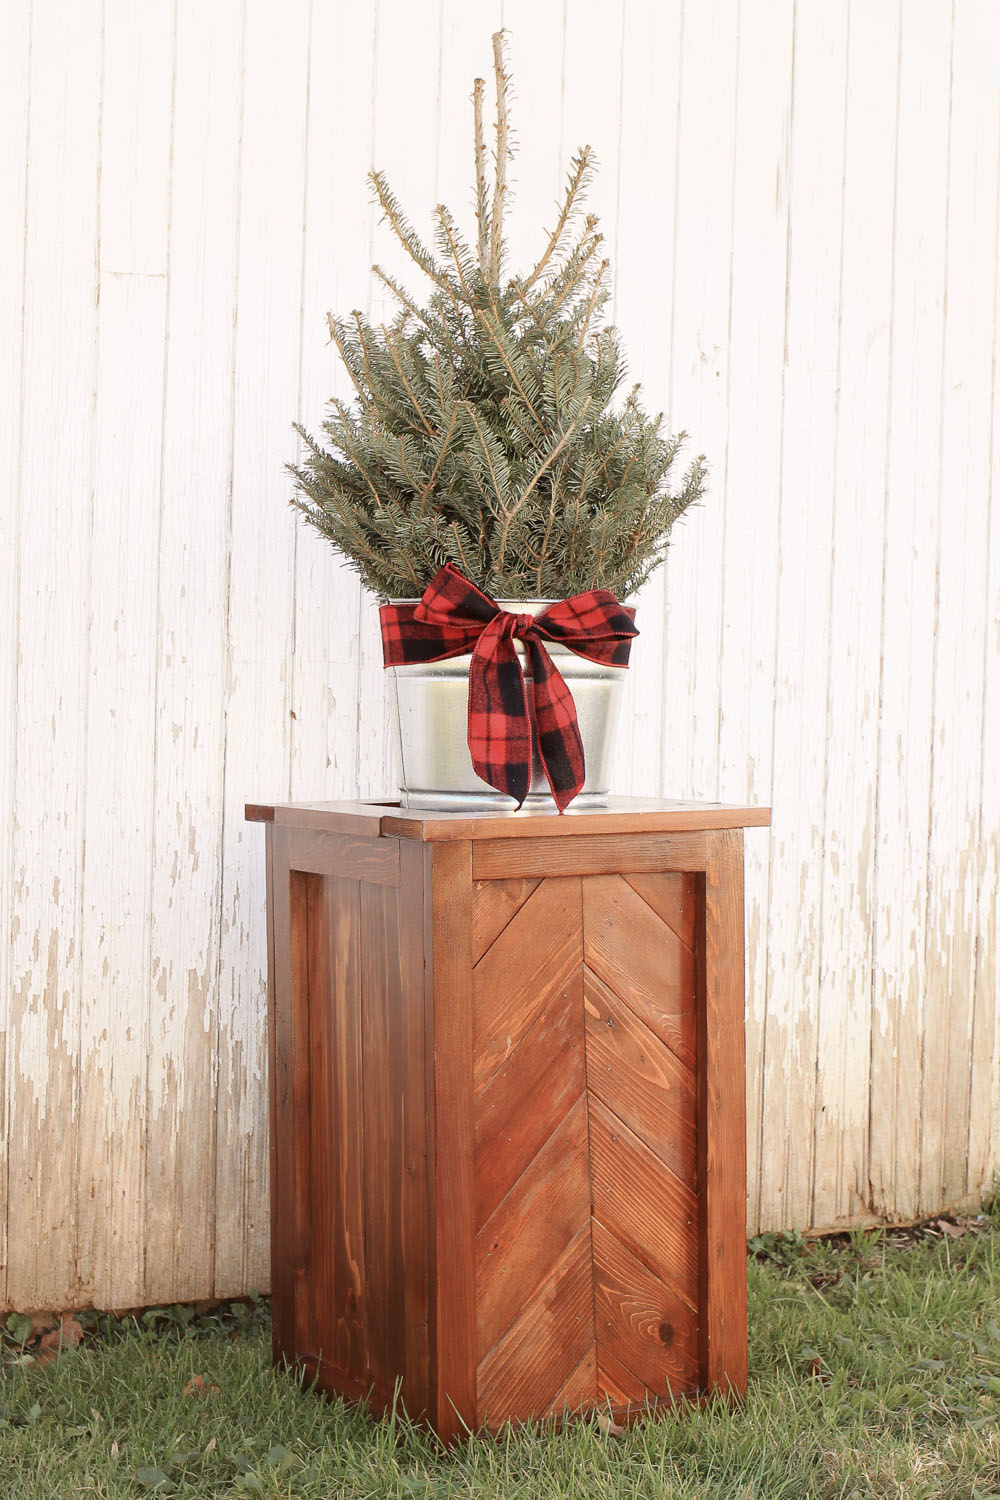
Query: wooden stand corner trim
{"points": [[507, 1109], [722, 1119], [449, 919]]}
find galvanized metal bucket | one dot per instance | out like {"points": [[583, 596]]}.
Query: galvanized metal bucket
{"points": [[430, 704]]}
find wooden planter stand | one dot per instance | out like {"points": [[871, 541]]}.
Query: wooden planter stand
{"points": [[507, 1106]]}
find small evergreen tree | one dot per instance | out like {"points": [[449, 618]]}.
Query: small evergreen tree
{"points": [[483, 431]]}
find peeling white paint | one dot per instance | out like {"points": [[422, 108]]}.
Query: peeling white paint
{"points": [[811, 291]]}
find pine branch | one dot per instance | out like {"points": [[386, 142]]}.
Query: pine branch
{"points": [[503, 153], [482, 205]]}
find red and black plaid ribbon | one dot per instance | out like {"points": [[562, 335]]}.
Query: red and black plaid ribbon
{"points": [[454, 617]]}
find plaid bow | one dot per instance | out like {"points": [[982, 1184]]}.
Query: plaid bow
{"points": [[454, 617]]}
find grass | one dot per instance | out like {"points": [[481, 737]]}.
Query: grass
{"points": [[875, 1372]]}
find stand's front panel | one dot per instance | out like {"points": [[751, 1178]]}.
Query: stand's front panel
{"points": [[584, 1064]]}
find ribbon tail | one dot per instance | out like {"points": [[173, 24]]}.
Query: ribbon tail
{"points": [[560, 747], [499, 727]]}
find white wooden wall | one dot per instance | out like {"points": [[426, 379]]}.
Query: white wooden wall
{"points": [[801, 200]]}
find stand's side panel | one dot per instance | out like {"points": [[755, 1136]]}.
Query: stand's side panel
{"points": [[722, 1118], [350, 1224]]}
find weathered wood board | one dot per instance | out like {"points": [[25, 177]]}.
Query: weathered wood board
{"points": [[802, 220]]}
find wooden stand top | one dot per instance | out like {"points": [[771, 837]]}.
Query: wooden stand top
{"points": [[621, 815]]}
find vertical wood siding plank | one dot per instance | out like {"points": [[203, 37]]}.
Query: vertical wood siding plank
{"points": [[808, 427], [911, 527], [642, 265], [406, 49], [15, 48], [843, 1041], [50, 715], [699, 340], [121, 717], [984, 1104], [260, 597], [753, 471], [536, 50], [961, 599], [325, 730], [176, 1223]]}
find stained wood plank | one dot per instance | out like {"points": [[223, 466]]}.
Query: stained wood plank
{"points": [[494, 903], [382, 1064], [448, 941], [409, 1023], [288, 1041], [336, 1145], [673, 899], [587, 854], [522, 1241], [509, 994], [620, 815], [640, 1080], [618, 1385], [522, 1374], [642, 1322], [525, 1100], [579, 1389], [374, 861], [722, 1299], [644, 1205], [629, 948]]}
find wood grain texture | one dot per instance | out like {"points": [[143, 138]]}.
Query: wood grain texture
{"points": [[643, 1323], [532, 962], [641, 960], [722, 1298], [639, 1079], [448, 943], [527, 1233], [494, 902], [672, 897], [524, 1101], [375, 861], [336, 1139], [524, 1372], [638, 1198], [587, 854]]}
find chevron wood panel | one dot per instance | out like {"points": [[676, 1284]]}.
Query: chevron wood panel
{"points": [[643, 960], [523, 971], [527, 1370], [637, 1076], [584, 1052], [641, 1202], [519, 1108], [494, 903], [640, 1320], [673, 899]]}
